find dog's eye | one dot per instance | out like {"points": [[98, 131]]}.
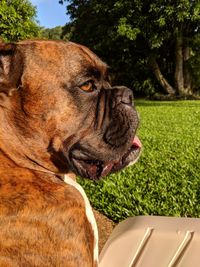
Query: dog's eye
{"points": [[88, 86]]}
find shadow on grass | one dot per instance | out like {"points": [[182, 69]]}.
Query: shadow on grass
{"points": [[177, 103]]}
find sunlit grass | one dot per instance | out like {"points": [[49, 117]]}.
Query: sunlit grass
{"points": [[166, 180]]}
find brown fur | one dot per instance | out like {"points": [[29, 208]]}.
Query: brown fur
{"points": [[47, 124]]}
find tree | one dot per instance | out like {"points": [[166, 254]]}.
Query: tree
{"points": [[170, 27], [147, 37], [194, 63], [17, 20]]}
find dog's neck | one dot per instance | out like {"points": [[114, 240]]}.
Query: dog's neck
{"points": [[24, 152]]}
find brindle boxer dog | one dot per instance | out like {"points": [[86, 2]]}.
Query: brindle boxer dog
{"points": [[58, 114]]}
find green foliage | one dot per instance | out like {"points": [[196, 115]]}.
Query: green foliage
{"points": [[165, 180], [158, 21], [17, 20], [125, 29]]}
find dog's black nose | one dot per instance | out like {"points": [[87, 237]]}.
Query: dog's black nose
{"points": [[123, 95]]}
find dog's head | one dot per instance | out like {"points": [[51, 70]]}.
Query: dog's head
{"points": [[65, 114]]}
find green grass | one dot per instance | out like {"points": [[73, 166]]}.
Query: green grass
{"points": [[166, 179]]}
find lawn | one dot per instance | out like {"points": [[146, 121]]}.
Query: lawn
{"points": [[166, 179]]}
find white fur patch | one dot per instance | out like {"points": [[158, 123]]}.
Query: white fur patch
{"points": [[89, 213]]}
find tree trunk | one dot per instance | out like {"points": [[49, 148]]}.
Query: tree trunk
{"points": [[161, 79], [186, 72], [178, 77]]}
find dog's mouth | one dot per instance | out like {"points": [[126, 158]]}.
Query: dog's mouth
{"points": [[89, 167]]}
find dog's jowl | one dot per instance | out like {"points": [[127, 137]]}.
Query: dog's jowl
{"points": [[58, 115]]}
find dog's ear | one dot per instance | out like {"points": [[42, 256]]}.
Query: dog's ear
{"points": [[6, 54], [9, 71]]}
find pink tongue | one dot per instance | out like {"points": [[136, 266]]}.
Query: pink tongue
{"points": [[136, 142]]}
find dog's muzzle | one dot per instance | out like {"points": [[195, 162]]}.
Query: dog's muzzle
{"points": [[116, 135]]}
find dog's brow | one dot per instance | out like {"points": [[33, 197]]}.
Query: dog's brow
{"points": [[92, 71]]}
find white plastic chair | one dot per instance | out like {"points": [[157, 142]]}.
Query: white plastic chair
{"points": [[153, 241]]}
